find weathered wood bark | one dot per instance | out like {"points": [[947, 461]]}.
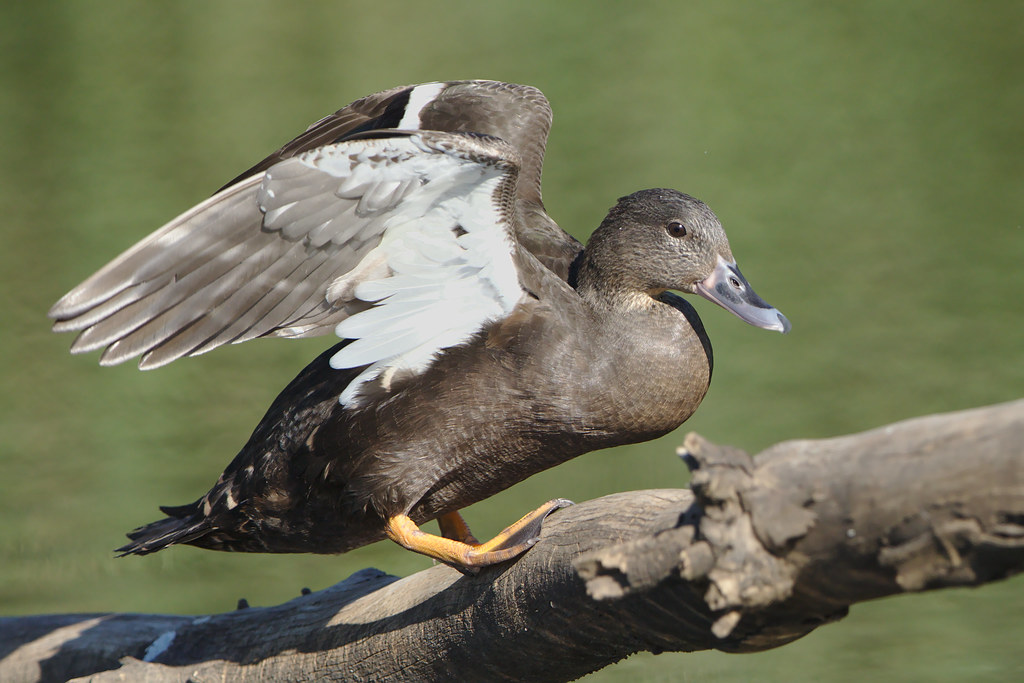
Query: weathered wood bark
{"points": [[760, 553]]}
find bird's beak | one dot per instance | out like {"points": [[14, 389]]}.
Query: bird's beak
{"points": [[727, 287]]}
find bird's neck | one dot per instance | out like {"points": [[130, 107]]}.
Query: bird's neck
{"points": [[613, 289]]}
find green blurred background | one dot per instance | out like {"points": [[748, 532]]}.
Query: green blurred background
{"points": [[866, 159]]}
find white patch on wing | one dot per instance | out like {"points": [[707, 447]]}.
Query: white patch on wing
{"points": [[444, 265], [420, 96]]}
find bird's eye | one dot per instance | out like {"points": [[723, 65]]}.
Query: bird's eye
{"points": [[676, 229]]}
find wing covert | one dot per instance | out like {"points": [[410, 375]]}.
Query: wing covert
{"points": [[411, 235]]}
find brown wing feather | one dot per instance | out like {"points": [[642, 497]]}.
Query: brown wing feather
{"points": [[518, 114], [367, 113]]}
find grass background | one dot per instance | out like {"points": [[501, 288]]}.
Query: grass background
{"points": [[864, 157]]}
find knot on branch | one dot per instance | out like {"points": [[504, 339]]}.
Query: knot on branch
{"points": [[733, 540], [743, 533]]}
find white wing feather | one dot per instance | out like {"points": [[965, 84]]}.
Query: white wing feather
{"points": [[444, 266], [404, 240]]}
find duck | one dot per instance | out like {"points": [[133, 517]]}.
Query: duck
{"points": [[479, 342]]}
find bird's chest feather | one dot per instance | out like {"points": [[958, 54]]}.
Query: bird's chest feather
{"points": [[650, 379]]}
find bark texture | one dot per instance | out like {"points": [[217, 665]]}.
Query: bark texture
{"points": [[758, 553]]}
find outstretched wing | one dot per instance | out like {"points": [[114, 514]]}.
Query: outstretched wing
{"points": [[518, 114], [406, 241]]}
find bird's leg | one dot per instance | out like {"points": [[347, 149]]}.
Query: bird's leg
{"points": [[514, 540], [454, 526]]}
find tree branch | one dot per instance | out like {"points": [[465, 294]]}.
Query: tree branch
{"points": [[760, 553]]}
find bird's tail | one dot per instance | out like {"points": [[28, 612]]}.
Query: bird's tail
{"points": [[183, 524]]}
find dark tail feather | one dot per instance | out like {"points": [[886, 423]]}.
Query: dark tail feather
{"points": [[180, 511], [184, 524]]}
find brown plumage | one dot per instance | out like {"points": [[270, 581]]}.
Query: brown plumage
{"points": [[575, 350]]}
